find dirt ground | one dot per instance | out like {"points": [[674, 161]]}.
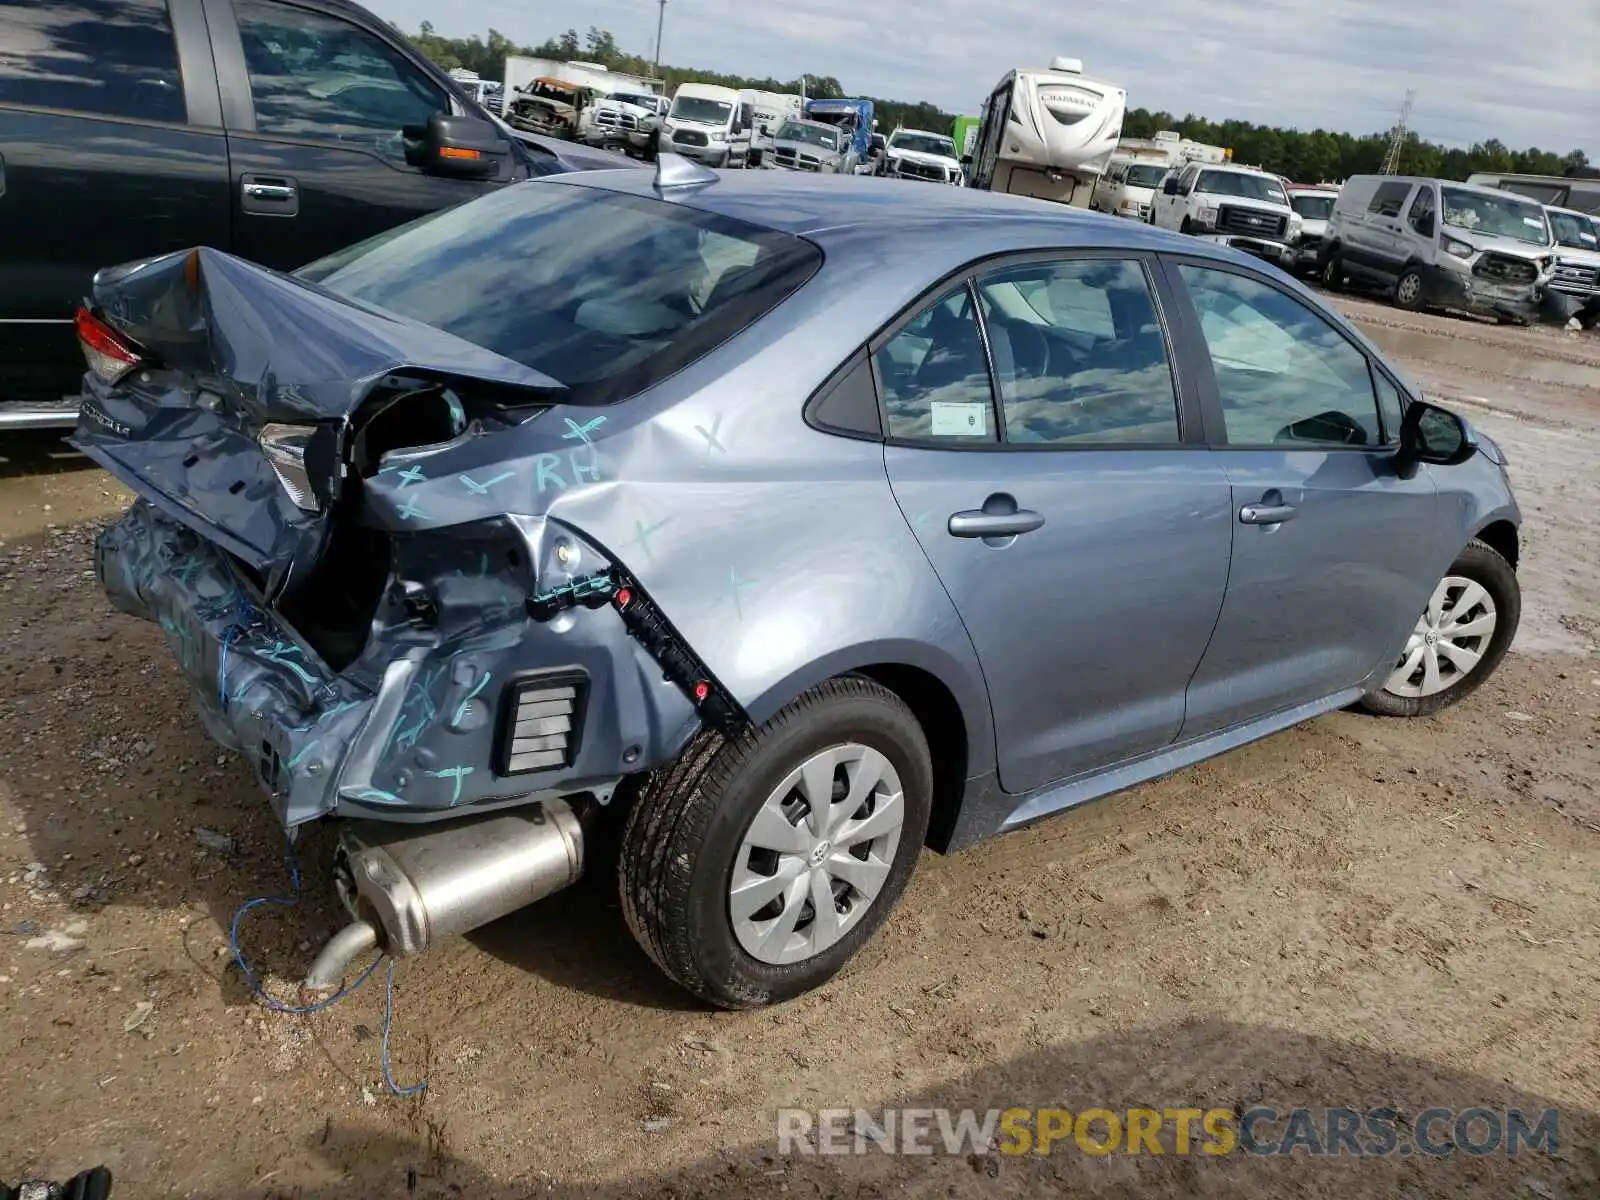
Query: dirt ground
{"points": [[1356, 912]]}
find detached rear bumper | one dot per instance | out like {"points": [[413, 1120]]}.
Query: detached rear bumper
{"points": [[423, 726]]}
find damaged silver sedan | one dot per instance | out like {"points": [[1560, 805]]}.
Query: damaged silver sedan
{"points": [[685, 502]]}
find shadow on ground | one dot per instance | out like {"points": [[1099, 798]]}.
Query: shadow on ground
{"points": [[39, 452], [1201, 1065]]}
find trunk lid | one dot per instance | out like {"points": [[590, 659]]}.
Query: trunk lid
{"points": [[232, 354]]}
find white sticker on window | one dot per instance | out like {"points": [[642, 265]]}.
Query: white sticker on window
{"points": [[959, 420], [1533, 222]]}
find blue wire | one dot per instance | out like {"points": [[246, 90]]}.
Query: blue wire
{"points": [[246, 618], [276, 1005], [388, 1020]]}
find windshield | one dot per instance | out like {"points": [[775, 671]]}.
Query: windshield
{"points": [[604, 292], [551, 91], [923, 143], [629, 98], [1497, 214], [1145, 175], [1312, 208], [793, 131], [1576, 231], [1246, 187], [698, 108]]}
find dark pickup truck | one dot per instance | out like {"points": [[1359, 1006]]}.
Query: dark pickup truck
{"points": [[278, 130]]}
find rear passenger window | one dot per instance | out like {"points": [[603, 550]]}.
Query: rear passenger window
{"points": [[113, 58], [1079, 354], [317, 76], [1389, 199], [935, 376]]}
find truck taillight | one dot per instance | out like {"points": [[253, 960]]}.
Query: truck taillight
{"points": [[108, 356]]}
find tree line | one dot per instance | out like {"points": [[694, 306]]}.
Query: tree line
{"points": [[1308, 156]]}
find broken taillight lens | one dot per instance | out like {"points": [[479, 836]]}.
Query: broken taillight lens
{"points": [[108, 356], [285, 448]]}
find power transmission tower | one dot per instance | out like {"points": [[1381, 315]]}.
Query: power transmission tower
{"points": [[1397, 139]]}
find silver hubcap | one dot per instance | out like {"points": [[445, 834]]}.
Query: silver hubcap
{"points": [[1409, 287], [816, 855], [1449, 641]]}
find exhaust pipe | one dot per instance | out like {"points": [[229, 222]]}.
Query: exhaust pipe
{"points": [[409, 886]]}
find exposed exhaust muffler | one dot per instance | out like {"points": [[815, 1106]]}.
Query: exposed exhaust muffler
{"points": [[409, 886]]}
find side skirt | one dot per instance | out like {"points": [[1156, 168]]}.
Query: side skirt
{"points": [[987, 810]]}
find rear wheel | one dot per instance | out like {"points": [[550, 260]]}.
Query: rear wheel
{"points": [[753, 869], [1408, 290], [1458, 641]]}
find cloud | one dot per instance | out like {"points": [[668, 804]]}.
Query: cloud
{"points": [[1524, 71]]}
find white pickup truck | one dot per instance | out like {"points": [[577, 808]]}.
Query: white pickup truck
{"points": [[918, 154], [1237, 206]]}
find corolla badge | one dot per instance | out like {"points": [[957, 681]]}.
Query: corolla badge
{"points": [[92, 410]]}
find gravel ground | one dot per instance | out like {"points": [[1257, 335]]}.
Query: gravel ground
{"points": [[1356, 912]]}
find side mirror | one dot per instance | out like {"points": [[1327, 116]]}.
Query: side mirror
{"points": [[459, 147], [1169, 187], [1430, 434]]}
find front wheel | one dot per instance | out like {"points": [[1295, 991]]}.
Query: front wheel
{"points": [[1458, 641], [1408, 290], [753, 869], [1333, 272]]}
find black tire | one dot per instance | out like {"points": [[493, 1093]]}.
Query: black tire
{"points": [[1408, 290], [1482, 564], [1184, 228], [1333, 272], [683, 836]]}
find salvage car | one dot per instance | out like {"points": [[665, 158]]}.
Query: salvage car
{"points": [[788, 524]]}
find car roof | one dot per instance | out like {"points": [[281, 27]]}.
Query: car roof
{"points": [[802, 203]]}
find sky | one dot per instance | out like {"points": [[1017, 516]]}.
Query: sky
{"points": [[1524, 71]]}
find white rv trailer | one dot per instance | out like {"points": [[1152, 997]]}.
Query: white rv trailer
{"points": [[1172, 149], [1048, 133]]}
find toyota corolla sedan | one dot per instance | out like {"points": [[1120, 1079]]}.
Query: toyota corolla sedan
{"points": [[795, 525]]}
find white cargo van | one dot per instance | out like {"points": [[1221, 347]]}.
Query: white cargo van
{"points": [[1128, 188], [710, 124], [1435, 242]]}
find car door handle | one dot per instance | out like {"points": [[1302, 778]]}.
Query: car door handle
{"points": [[1267, 514], [269, 195], [975, 523]]}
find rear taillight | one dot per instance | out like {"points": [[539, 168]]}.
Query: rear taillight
{"points": [[107, 354]]}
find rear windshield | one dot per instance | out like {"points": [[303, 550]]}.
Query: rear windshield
{"points": [[607, 293]]}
